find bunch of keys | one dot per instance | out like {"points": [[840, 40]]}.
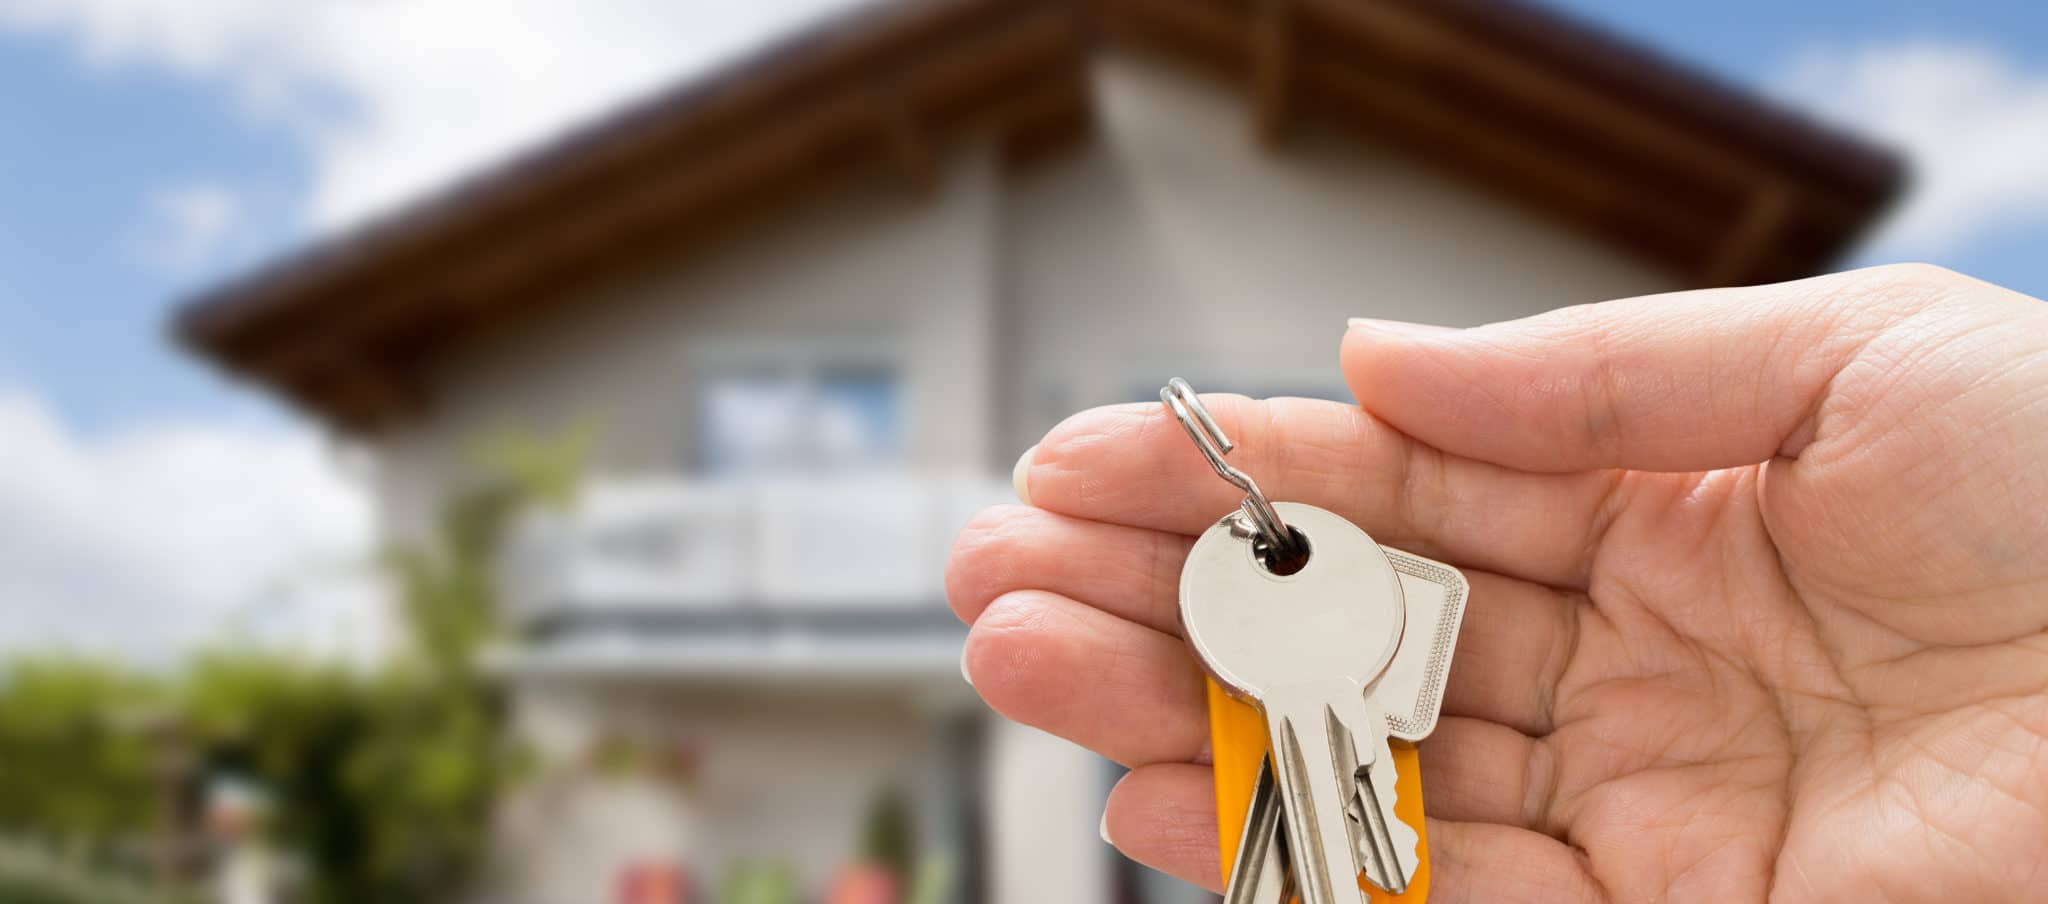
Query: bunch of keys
{"points": [[1327, 655]]}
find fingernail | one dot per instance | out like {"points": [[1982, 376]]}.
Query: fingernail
{"points": [[963, 669], [1398, 327], [1020, 476], [1103, 829]]}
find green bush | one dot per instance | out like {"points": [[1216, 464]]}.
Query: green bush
{"points": [[21, 890], [380, 782]]}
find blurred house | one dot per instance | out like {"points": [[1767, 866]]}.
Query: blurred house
{"points": [[813, 306]]}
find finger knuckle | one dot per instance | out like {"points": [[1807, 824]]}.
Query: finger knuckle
{"points": [[983, 561], [1904, 287], [1006, 647]]}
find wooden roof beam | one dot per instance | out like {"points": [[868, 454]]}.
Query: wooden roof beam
{"points": [[229, 321], [361, 395], [908, 140], [1380, 84], [1051, 118], [676, 221], [1272, 60], [1432, 45], [1748, 247], [1631, 212], [517, 263], [522, 249]]}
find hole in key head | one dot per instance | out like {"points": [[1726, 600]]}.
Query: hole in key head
{"points": [[1283, 562]]}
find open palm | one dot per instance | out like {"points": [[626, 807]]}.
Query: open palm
{"points": [[1759, 591]]}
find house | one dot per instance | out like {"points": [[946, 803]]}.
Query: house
{"points": [[813, 306]]}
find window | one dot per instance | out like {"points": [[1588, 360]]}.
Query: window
{"points": [[826, 419], [857, 418]]}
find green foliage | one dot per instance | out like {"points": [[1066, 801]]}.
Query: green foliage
{"points": [[759, 882], [381, 782], [885, 838], [76, 758], [34, 875], [19, 890], [545, 472], [933, 882]]}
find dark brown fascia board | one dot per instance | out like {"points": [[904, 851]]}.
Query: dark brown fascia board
{"points": [[1663, 177], [841, 47], [1650, 80], [351, 351]]}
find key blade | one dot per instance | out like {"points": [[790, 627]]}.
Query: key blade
{"points": [[1315, 766], [1259, 873]]}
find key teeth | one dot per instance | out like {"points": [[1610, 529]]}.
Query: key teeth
{"points": [[1385, 847], [1377, 782], [1345, 756]]}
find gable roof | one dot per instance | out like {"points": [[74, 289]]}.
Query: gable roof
{"points": [[1712, 183]]}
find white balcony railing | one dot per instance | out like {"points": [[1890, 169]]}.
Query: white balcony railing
{"points": [[654, 546]]}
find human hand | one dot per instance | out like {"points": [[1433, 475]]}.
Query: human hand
{"points": [[1759, 590]]}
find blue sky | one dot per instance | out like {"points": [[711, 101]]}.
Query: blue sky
{"points": [[1743, 39], [151, 147], [1753, 43], [87, 273]]}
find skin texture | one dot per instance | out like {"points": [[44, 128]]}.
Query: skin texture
{"points": [[1759, 602]]}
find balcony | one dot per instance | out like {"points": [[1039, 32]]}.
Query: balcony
{"points": [[797, 580]]}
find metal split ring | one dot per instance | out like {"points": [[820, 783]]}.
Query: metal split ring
{"points": [[1180, 398]]}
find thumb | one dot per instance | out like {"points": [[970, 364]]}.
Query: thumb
{"points": [[1680, 382]]}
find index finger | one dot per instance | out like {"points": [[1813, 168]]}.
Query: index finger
{"points": [[1712, 378], [1132, 464]]}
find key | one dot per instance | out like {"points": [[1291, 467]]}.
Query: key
{"points": [[1413, 684], [1305, 648], [1259, 875], [1411, 688], [1409, 695]]}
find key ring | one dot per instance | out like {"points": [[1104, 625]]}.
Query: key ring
{"points": [[1187, 408]]}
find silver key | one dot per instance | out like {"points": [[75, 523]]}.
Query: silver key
{"points": [[1305, 648], [1259, 874], [1412, 686]]}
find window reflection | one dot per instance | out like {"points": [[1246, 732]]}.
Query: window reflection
{"points": [[821, 420]]}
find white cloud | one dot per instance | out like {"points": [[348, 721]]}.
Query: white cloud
{"points": [[1973, 123], [159, 537], [187, 225], [395, 98]]}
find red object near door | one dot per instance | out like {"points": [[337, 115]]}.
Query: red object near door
{"points": [[654, 883], [865, 885]]}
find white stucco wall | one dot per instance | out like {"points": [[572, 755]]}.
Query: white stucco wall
{"points": [[1048, 844], [1176, 245], [870, 270]]}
